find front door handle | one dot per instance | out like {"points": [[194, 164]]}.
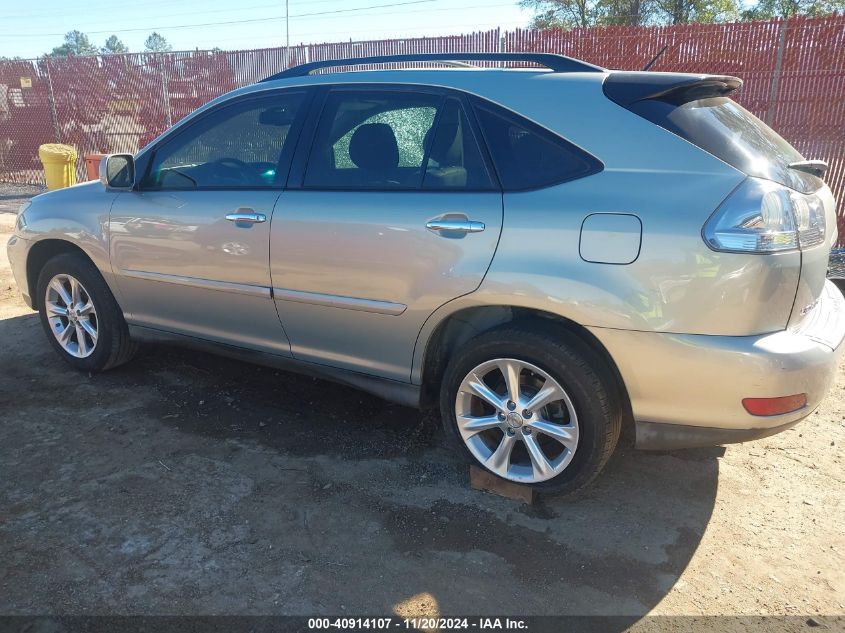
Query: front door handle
{"points": [[455, 226], [246, 216]]}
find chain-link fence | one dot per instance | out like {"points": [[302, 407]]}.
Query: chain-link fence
{"points": [[794, 73]]}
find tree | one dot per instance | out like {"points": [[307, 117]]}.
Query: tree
{"points": [[562, 13], [76, 43], [574, 13], [767, 9], [706, 11], [114, 45], [156, 43]]}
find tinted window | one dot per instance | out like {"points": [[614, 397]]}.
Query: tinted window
{"points": [[388, 140], [730, 132], [454, 160], [525, 155], [237, 146]]}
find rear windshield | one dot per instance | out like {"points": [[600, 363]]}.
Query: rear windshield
{"points": [[730, 132]]}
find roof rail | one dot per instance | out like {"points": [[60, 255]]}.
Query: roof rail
{"points": [[555, 63]]}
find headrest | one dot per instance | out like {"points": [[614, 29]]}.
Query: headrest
{"points": [[373, 146]]}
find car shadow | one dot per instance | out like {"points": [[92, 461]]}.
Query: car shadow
{"points": [[243, 489]]}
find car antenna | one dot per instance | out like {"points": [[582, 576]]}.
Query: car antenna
{"points": [[655, 58]]}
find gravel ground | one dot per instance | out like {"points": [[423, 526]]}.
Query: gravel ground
{"points": [[12, 196], [183, 483]]}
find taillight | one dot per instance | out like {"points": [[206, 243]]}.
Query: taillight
{"points": [[761, 216]]}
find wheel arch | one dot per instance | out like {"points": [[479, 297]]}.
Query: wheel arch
{"points": [[39, 254], [458, 327]]}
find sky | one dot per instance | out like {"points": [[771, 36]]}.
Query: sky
{"points": [[190, 24]]}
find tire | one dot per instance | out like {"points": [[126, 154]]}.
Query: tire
{"points": [[593, 398], [113, 346]]}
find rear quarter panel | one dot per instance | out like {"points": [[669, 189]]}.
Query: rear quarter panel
{"points": [[677, 284]]}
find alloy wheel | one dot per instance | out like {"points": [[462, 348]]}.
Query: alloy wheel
{"points": [[517, 420], [72, 315]]}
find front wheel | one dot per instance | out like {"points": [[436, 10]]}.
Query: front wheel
{"points": [[80, 316], [532, 405]]}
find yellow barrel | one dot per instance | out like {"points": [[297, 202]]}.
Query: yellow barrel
{"points": [[59, 165]]}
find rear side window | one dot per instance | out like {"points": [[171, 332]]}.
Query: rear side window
{"points": [[527, 156], [724, 128]]}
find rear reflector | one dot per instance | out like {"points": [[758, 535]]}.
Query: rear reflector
{"points": [[775, 406]]}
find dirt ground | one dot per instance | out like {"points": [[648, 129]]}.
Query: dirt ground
{"points": [[183, 483]]}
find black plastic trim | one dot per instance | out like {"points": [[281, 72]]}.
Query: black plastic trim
{"points": [[657, 436], [402, 393]]}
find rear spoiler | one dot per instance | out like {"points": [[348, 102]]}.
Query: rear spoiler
{"points": [[626, 88]]}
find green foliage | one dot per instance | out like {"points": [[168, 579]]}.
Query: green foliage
{"points": [[114, 45], [156, 43], [76, 43], [568, 14], [767, 9], [686, 11], [574, 13]]}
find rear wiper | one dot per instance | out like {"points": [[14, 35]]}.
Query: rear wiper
{"points": [[812, 167]]}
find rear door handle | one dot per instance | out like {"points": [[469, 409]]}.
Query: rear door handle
{"points": [[455, 226], [246, 216]]}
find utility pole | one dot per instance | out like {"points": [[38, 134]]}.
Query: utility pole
{"points": [[287, 33]]}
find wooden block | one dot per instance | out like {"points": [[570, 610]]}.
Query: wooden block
{"points": [[480, 479]]}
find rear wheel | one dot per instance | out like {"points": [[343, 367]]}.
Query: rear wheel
{"points": [[82, 320], [532, 405]]}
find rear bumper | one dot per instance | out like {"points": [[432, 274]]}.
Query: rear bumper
{"points": [[687, 390], [17, 249]]}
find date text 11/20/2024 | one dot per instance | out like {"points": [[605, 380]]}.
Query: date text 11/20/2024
{"points": [[419, 624]]}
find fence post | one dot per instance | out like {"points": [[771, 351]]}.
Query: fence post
{"points": [[773, 94], [54, 117], [165, 97]]}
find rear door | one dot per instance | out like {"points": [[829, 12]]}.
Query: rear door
{"points": [[392, 212]]}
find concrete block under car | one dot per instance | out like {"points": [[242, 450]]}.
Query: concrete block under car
{"points": [[482, 480]]}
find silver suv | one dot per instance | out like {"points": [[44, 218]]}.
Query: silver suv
{"points": [[542, 253]]}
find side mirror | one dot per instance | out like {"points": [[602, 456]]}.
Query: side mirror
{"points": [[117, 171]]}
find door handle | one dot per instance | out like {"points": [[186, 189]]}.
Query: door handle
{"points": [[455, 226], [246, 216]]}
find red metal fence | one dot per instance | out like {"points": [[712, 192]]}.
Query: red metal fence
{"points": [[794, 72]]}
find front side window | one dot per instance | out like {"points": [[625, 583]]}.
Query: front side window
{"points": [[240, 145], [527, 156], [394, 140]]}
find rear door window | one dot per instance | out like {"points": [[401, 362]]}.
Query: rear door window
{"points": [[384, 140], [371, 140], [527, 156]]}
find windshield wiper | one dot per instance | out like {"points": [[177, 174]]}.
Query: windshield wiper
{"points": [[813, 167]]}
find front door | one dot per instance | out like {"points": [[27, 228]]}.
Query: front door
{"points": [[396, 214], [190, 246]]}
